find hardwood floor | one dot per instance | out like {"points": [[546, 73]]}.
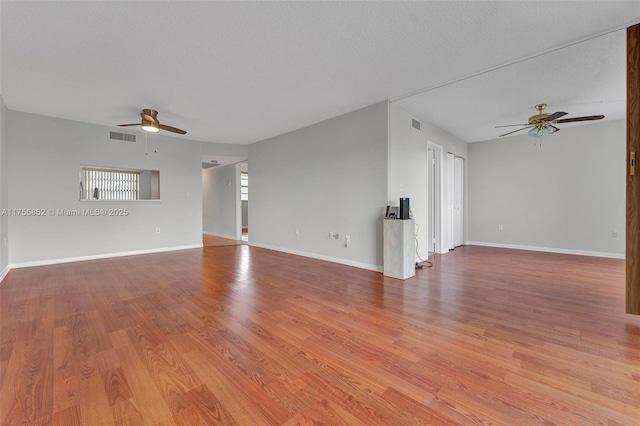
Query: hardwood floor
{"points": [[247, 336], [212, 241]]}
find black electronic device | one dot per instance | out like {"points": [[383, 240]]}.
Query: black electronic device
{"points": [[404, 208]]}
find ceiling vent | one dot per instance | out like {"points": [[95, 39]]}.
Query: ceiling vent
{"points": [[415, 124], [122, 137], [209, 165]]}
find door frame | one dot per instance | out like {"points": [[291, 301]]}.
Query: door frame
{"points": [[632, 263], [439, 204]]}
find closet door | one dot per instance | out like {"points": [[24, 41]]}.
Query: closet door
{"points": [[458, 201], [450, 195], [431, 201]]}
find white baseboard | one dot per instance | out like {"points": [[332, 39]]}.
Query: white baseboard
{"points": [[101, 256], [214, 234], [548, 249], [4, 272], [347, 262]]}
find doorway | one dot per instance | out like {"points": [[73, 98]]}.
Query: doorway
{"points": [[244, 201]]}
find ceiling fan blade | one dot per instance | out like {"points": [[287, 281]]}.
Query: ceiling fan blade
{"points": [[124, 125], [586, 118], [554, 127], [172, 129], [511, 125], [555, 116], [515, 131]]}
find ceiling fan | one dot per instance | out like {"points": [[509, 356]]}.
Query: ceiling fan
{"points": [[150, 123], [543, 123]]}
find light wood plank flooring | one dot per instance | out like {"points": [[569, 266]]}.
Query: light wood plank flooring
{"points": [[247, 336]]}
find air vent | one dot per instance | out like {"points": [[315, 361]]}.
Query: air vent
{"points": [[415, 124], [209, 165], [122, 137]]}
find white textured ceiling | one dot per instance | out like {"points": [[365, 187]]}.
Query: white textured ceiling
{"points": [[238, 72], [587, 78]]}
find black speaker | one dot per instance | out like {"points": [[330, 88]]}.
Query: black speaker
{"points": [[404, 208]]}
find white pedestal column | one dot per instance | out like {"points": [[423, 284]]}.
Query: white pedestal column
{"points": [[399, 248]]}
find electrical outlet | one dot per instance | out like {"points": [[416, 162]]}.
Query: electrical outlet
{"points": [[297, 231], [614, 234], [347, 240], [157, 230], [499, 227]]}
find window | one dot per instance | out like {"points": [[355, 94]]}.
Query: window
{"points": [[244, 186], [109, 184]]}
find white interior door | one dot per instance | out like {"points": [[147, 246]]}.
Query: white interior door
{"points": [[450, 185], [431, 201], [458, 201]]}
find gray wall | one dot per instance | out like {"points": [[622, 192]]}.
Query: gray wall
{"points": [[229, 152], [245, 213], [144, 184], [331, 176], [149, 184], [46, 154], [4, 188], [219, 200], [408, 165], [567, 194]]}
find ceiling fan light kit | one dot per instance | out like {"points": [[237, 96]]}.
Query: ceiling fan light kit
{"points": [[542, 123], [149, 126]]}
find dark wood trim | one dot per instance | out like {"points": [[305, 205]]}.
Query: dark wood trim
{"points": [[632, 299]]}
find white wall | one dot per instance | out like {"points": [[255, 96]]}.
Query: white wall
{"points": [[4, 189], [408, 165], [46, 154], [566, 195], [331, 176], [219, 201]]}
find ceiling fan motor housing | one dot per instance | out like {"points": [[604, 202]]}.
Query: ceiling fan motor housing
{"points": [[151, 112], [540, 118]]}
